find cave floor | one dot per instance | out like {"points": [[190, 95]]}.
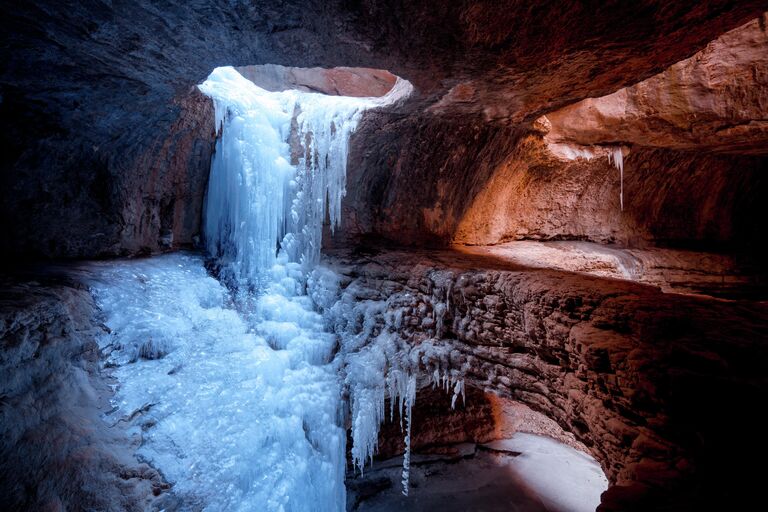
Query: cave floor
{"points": [[525, 473], [234, 402], [498, 478]]}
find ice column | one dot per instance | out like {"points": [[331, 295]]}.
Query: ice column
{"points": [[279, 165]]}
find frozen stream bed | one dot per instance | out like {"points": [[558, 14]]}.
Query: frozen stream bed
{"points": [[238, 412]]}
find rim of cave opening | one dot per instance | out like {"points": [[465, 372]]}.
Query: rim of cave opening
{"points": [[336, 81]]}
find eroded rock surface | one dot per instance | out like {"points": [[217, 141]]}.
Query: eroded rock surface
{"points": [[658, 386], [141, 198], [673, 271], [715, 100], [342, 81], [91, 91], [468, 183]]}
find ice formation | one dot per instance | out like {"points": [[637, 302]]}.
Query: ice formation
{"points": [[236, 391], [279, 165], [241, 412], [380, 359], [616, 156]]}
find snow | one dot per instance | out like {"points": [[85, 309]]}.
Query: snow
{"points": [[566, 151], [564, 479], [526, 472]]}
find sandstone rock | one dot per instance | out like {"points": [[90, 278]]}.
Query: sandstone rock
{"points": [[680, 271], [657, 386], [341, 81], [467, 183], [715, 100], [90, 91]]}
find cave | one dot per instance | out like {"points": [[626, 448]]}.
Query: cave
{"points": [[381, 255]]}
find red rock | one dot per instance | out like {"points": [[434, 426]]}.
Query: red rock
{"points": [[714, 101], [665, 423], [340, 81]]}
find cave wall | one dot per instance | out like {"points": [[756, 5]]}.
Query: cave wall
{"points": [[162, 200], [410, 176], [460, 182], [660, 387], [693, 140], [338, 81], [90, 91], [80, 199], [671, 198], [56, 450], [713, 101]]}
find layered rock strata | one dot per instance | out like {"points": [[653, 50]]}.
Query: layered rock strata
{"points": [[658, 386]]}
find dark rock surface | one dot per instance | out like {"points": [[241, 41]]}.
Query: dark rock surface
{"points": [[436, 424], [90, 91], [56, 452], [660, 387]]}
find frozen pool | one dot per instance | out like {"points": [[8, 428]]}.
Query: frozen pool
{"points": [[237, 414]]}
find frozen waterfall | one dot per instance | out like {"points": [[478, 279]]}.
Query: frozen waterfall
{"points": [[233, 389], [280, 164], [238, 412]]}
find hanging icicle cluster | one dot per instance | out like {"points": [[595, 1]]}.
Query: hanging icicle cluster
{"points": [[258, 201]]}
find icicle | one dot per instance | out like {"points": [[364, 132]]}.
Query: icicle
{"points": [[256, 200], [409, 401], [617, 157], [440, 310], [458, 389]]}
